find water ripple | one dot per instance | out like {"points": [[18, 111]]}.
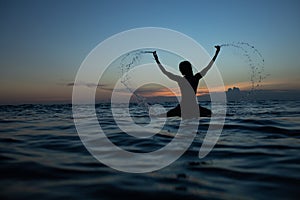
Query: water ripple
{"points": [[256, 157]]}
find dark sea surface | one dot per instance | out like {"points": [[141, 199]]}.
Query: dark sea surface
{"points": [[257, 157]]}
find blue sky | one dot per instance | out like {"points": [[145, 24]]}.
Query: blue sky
{"points": [[44, 42]]}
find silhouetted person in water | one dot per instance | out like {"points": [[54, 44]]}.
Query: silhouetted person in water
{"points": [[188, 85]]}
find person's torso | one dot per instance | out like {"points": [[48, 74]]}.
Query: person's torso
{"points": [[188, 87]]}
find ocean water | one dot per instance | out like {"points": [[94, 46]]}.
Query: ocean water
{"points": [[257, 156]]}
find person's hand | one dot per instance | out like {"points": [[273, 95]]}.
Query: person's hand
{"points": [[218, 47], [155, 55]]}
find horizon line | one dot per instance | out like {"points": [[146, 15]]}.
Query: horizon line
{"points": [[69, 101]]}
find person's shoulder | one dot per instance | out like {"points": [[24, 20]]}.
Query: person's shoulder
{"points": [[174, 77]]}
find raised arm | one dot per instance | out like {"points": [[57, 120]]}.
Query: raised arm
{"points": [[164, 71], [210, 64]]}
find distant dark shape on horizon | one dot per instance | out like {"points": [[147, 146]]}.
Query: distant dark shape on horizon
{"points": [[234, 90], [233, 94]]}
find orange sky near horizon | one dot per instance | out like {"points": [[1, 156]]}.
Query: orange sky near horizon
{"points": [[202, 90], [32, 93]]}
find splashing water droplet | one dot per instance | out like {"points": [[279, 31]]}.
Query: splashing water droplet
{"points": [[254, 59], [128, 62]]}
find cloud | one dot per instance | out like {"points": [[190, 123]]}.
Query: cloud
{"points": [[156, 90], [90, 85]]}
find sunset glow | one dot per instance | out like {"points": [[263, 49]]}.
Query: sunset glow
{"points": [[44, 44]]}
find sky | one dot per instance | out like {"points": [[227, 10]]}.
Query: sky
{"points": [[43, 43]]}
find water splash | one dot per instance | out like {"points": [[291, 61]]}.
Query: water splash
{"points": [[128, 62], [255, 60]]}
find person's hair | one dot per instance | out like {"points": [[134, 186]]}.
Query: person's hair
{"points": [[185, 68]]}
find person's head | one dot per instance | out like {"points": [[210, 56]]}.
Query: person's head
{"points": [[185, 68]]}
